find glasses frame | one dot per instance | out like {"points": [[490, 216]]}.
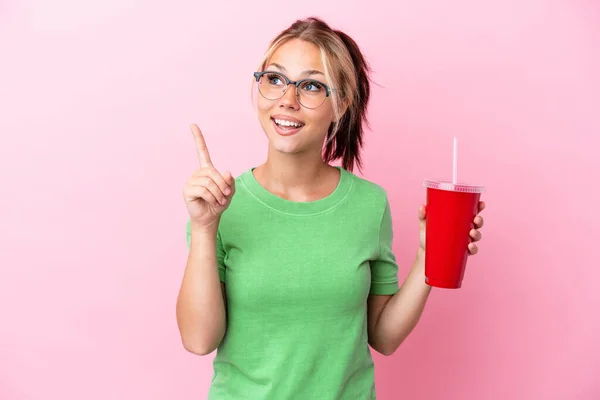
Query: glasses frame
{"points": [[297, 84]]}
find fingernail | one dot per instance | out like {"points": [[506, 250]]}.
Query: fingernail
{"points": [[227, 191], [223, 202]]}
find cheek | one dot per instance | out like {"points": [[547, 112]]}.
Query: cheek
{"points": [[323, 117], [263, 109], [263, 105]]}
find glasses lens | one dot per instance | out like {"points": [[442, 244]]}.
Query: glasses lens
{"points": [[312, 93], [272, 85]]}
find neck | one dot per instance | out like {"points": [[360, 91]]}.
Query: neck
{"points": [[297, 177], [293, 171]]}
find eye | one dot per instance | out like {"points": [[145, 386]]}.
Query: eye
{"points": [[313, 86], [274, 79]]}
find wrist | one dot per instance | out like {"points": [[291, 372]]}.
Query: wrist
{"points": [[419, 267], [203, 229]]}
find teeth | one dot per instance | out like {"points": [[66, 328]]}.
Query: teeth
{"points": [[283, 122]]}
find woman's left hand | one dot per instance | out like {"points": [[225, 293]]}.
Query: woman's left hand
{"points": [[474, 234]]}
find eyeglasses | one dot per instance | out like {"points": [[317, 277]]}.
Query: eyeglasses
{"points": [[310, 93]]}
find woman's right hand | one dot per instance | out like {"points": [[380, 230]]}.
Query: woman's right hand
{"points": [[207, 193]]}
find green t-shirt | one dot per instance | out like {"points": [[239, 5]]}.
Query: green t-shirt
{"points": [[298, 275]]}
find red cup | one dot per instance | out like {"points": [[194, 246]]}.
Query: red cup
{"points": [[451, 209]]}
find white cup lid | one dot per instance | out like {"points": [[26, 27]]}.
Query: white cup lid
{"points": [[449, 186]]}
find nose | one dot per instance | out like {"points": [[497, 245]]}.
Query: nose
{"points": [[290, 98]]}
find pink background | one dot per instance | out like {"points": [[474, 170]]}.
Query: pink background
{"points": [[95, 103]]}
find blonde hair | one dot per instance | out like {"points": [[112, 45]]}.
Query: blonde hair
{"points": [[346, 72]]}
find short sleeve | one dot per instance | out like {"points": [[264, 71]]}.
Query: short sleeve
{"points": [[384, 270], [220, 250]]}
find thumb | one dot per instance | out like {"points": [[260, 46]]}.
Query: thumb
{"points": [[230, 180]]}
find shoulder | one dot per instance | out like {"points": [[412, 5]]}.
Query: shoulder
{"points": [[242, 194], [241, 183], [240, 177], [368, 190]]}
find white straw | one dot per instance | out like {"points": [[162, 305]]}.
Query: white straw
{"points": [[454, 163]]}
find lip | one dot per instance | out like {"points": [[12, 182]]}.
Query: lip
{"points": [[286, 132]]}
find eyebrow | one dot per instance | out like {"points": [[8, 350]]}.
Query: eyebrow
{"points": [[307, 72]]}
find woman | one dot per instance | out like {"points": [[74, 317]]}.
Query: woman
{"points": [[303, 278]]}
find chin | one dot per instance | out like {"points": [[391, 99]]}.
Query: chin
{"points": [[286, 148], [283, 144]]}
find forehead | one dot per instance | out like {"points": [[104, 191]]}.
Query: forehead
{"points": [[297, 56]]}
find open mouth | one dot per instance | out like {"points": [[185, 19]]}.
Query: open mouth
{"points": [[286, 127]]}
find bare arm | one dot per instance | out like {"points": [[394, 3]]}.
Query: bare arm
{"points": [[201, 303], [392, 318]]}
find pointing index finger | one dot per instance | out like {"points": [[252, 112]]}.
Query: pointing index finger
{"points": [[201, 148]]}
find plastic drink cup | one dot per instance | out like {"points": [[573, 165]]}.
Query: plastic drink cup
{"points": [[451, 209]]}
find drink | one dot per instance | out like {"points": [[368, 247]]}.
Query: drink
{"points": [[451, 209]]}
